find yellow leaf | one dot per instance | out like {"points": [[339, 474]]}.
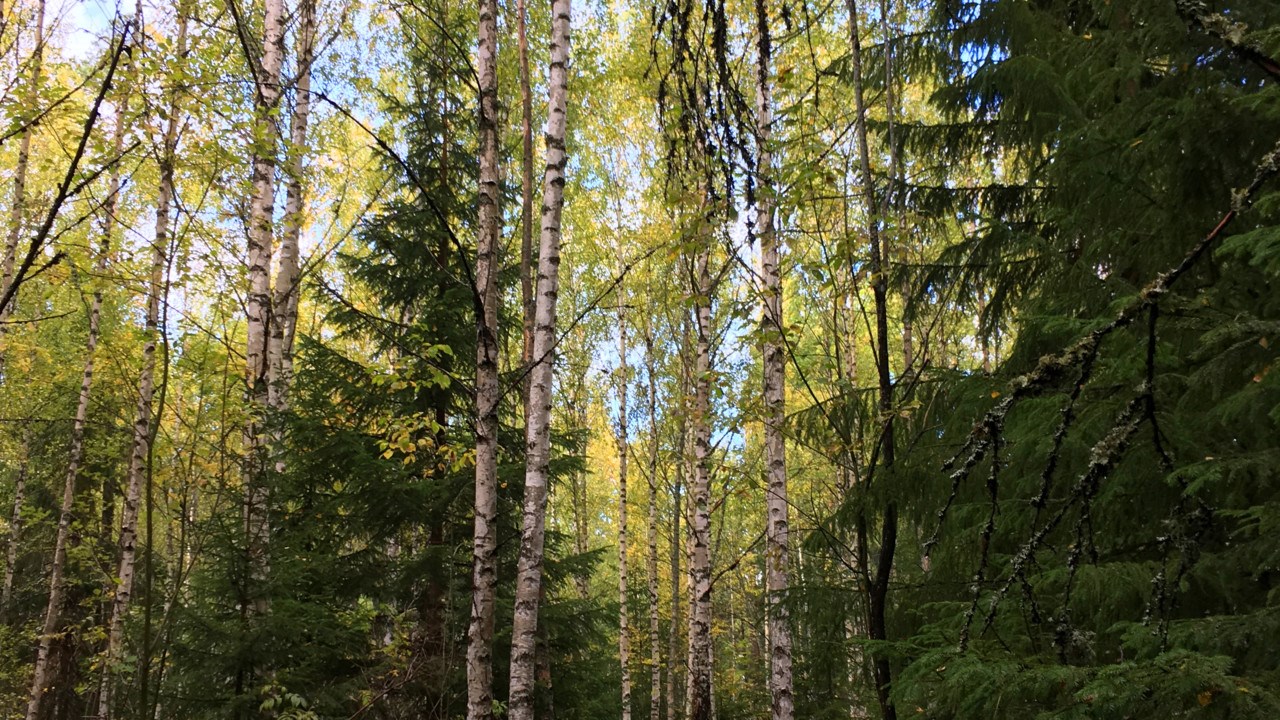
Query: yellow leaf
{"points": [[1205, 697], [995, 393]]}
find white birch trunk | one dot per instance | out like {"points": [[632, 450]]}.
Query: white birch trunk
{"points": [[676, 550], [774, 361], [526, 198], [488, 393], [624, 630], [142, 424], [699, 701], [524, 638], [266, 132], [651, 558], [284, 302]]}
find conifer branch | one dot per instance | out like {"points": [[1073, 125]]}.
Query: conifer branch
{"points": [[1235, 35], [1081, 354]]}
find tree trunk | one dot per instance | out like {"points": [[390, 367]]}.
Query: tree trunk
{"points": [[53, 611], [896, 192], [484, 570], [673, 642], [774, 361], [266, 130], [651, 565], [15, 530], [142, 424], [699, 700], [524, 633], [624, 630], [984, 341], [582, 579], [675, 663], [284, 302], [526, 198], [879, 586]]}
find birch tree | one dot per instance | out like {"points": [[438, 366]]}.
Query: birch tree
{"points": [[524, 638], [699, 692], [261, 244], [651, 534], [624, 630], [142, 423], [15, 528], [284, 303], [488, 393], [774, 361]]}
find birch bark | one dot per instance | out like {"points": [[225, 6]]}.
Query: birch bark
{"points": [[264, 148], [526, 196], [651, 558], [524, 633], [699, 700], [774, 361], [15, 530], [284, 302], [624, 630], [142, 425], [488, 393]]}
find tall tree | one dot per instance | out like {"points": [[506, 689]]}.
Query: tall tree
{"points": [[264, 148], [53, 614], [777, 530], [700, 670], [143, 429], [484, 572], [623, 444], [527, 279], [878, 585], [287, 291], [651, 530], [529, 570], [15, 528]]}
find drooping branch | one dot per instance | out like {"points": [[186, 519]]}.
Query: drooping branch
{"points": [[1080, 355]]}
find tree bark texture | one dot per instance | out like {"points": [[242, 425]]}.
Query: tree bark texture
{"points": [[142, 424], [264, 148], [774, 390], [624, 629], [15, 530], [18, 210], [484, 569], [284, 303], [529, 590], [651, 557], [699, 700]]}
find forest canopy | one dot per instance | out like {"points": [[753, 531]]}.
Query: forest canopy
{"points": [[671, 358]]}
